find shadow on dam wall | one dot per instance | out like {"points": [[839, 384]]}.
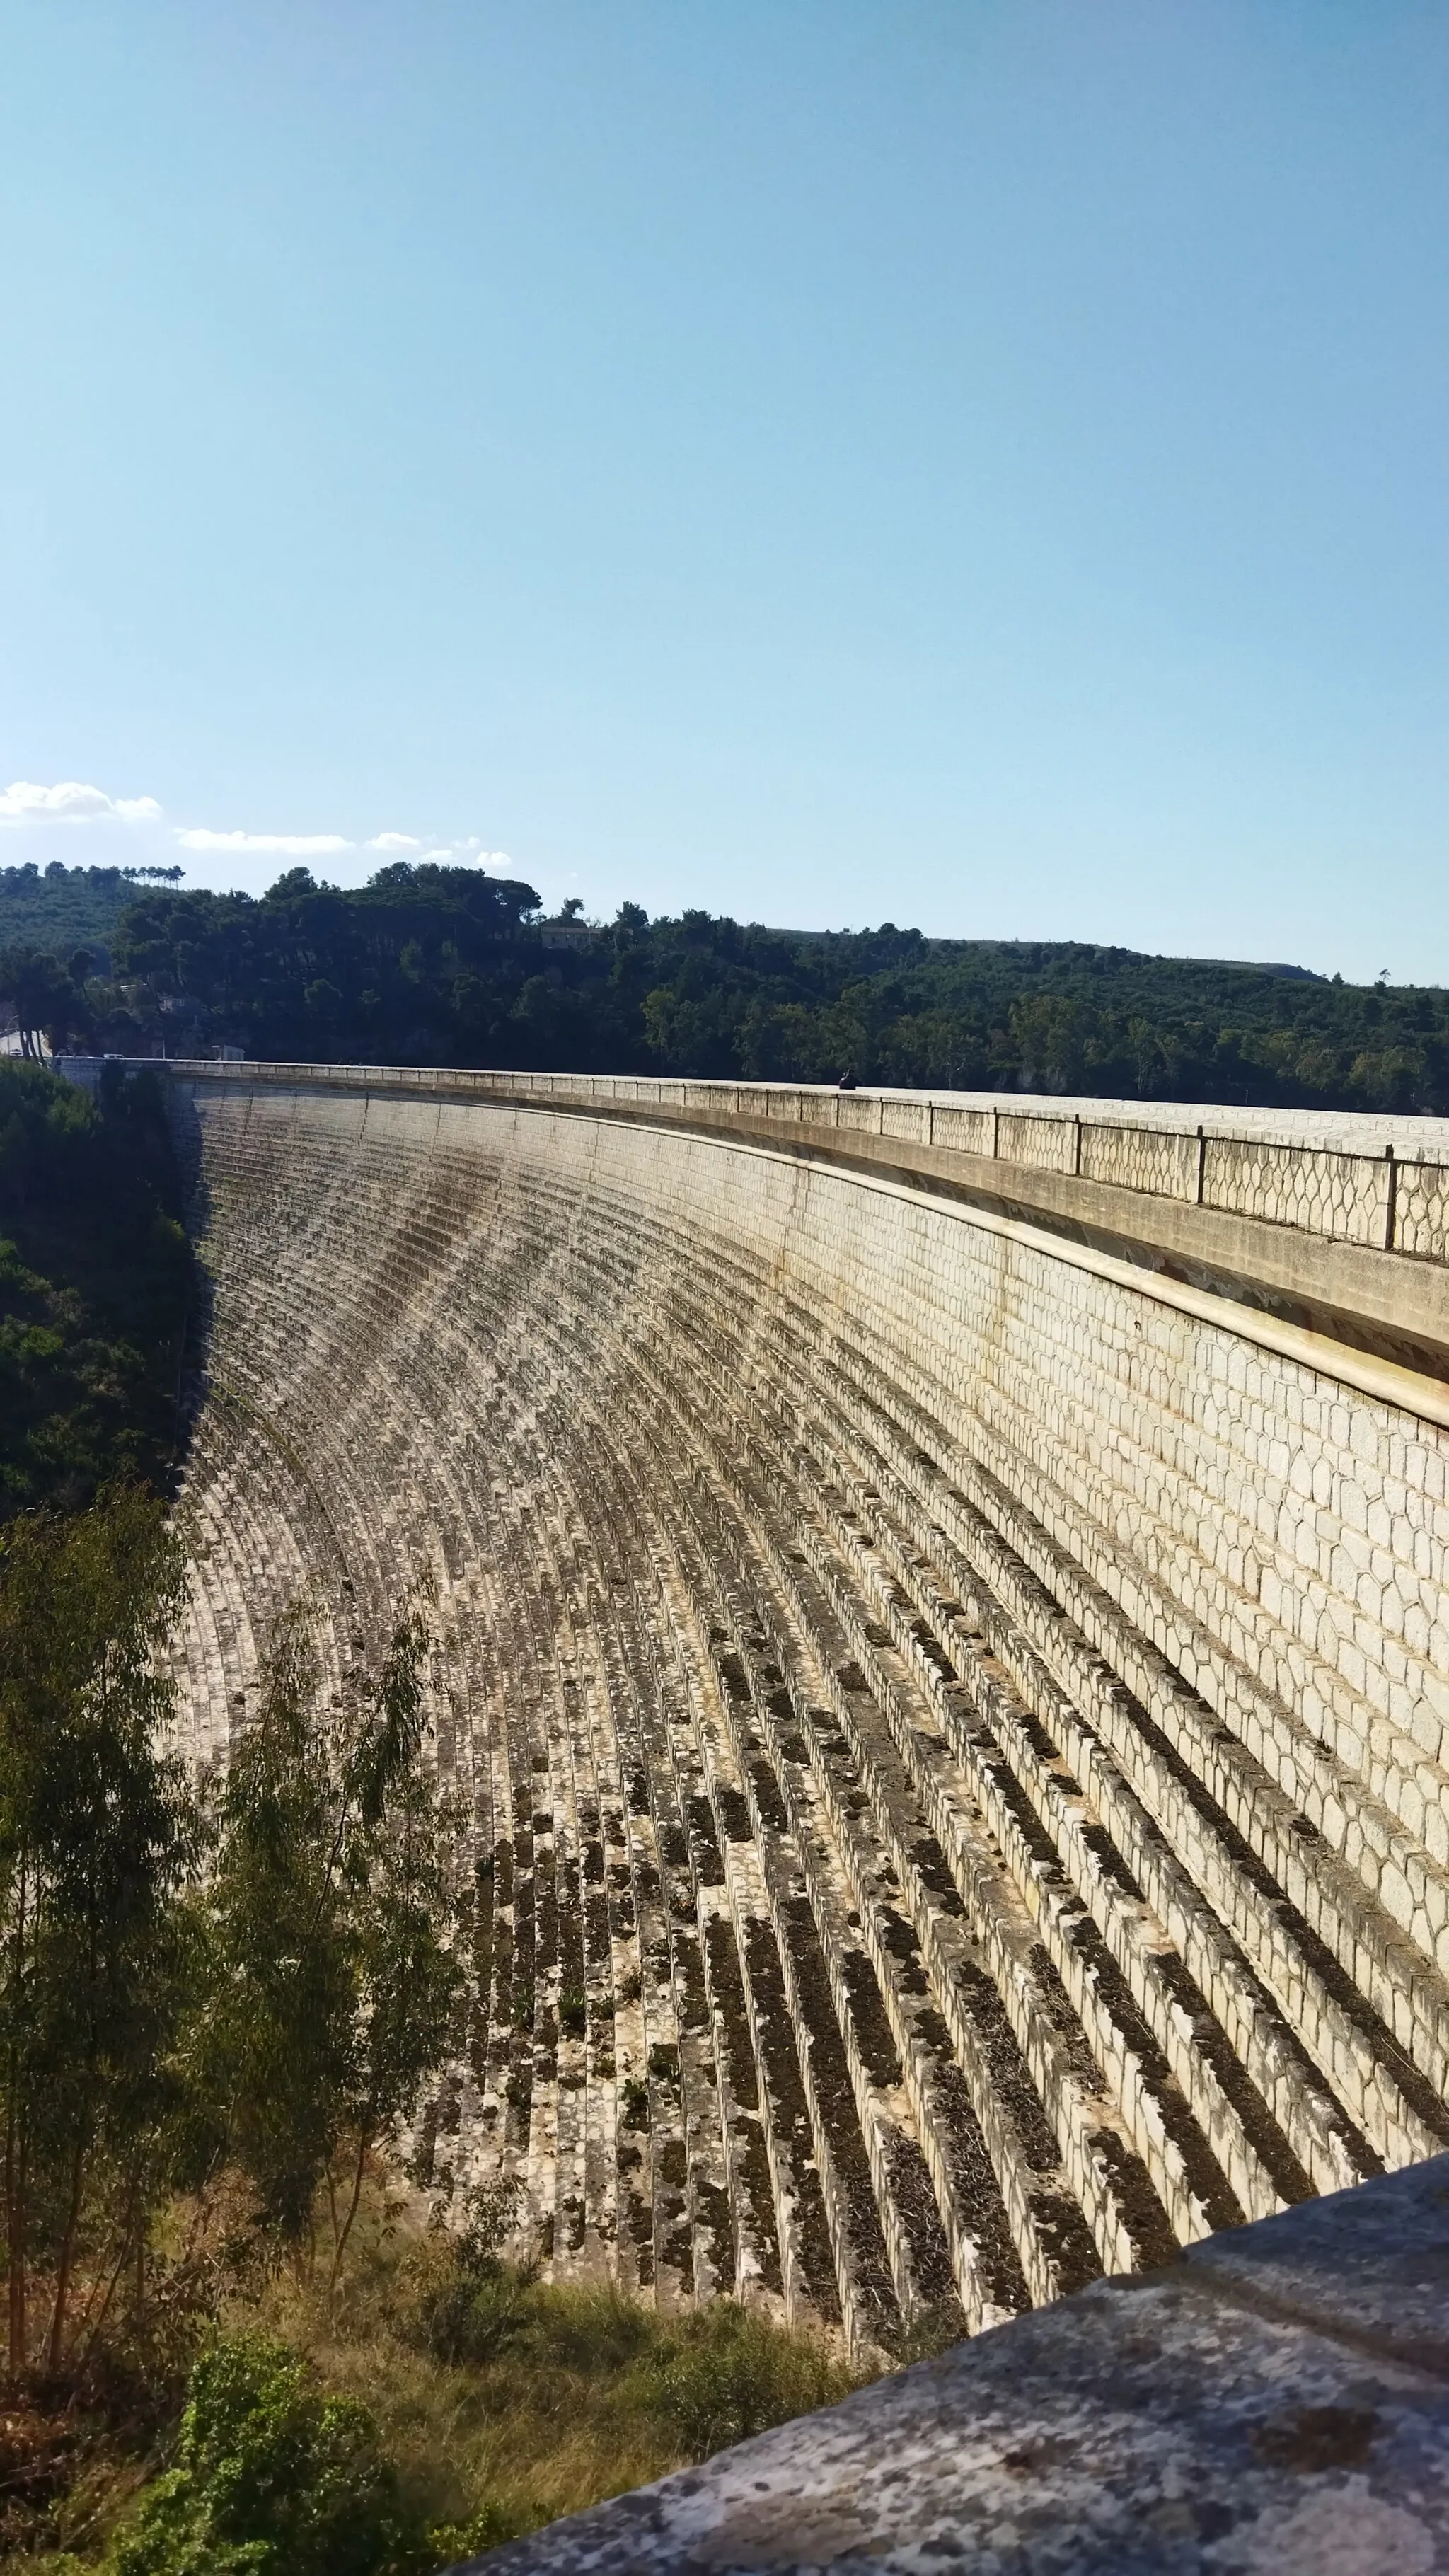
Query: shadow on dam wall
{"points": [[946, 1664]]}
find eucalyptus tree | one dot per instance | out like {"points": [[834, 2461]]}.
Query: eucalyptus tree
{"points": [[260, 1985], [332, 1924], [97, 1836], [408, 1921]]}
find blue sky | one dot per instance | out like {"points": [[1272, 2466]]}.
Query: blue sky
{"points": [[977, 465]]}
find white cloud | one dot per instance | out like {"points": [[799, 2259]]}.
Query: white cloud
{"points": [[287, 845], [469, 850], [28, 811], [70, 802]]}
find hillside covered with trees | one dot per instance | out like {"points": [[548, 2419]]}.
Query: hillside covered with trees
{"points": [[95, 1288], [442, 965], [57, 907]]}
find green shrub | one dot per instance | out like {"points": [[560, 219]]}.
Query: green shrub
{"points": [[272, 2479], [449, 2400], [471, 2316], [727, 2374]]}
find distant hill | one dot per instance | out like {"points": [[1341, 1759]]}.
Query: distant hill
{"points": [[62, 909], [1031, 952], [443, 965], [1248, 966]]}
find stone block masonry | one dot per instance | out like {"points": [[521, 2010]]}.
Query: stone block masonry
{"points": [[950, 1693]]}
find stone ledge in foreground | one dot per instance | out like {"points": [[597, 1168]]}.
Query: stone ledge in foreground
{"points": [[1276, 2399]]}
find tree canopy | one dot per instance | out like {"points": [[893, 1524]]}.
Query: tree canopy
{"points": [[95, 1285], [434, 964]]}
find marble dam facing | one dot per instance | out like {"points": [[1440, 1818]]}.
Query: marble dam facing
{"points": [[939, 1628]]}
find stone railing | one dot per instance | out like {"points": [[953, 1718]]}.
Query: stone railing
{"points": [[1389, 1200]]}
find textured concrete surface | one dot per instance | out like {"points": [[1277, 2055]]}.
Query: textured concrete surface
{"points": [[1277, 2400]]}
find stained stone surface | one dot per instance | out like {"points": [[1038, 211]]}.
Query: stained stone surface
{"points": [[954, 1744], [1276, 2400]]}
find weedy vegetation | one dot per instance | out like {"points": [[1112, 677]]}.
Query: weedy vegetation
{"points": [[236, 2336]]}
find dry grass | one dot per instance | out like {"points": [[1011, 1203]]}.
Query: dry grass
{"points": [[537, 2401], [500, 2402]]}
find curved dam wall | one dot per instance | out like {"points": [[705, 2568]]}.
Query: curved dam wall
{"points": [[944, 1655]]}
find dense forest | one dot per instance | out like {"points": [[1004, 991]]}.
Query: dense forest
{"points": [[442, 965], [95, 1286]]}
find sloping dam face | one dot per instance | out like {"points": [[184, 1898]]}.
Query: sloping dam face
{"points": [[950, 1719]]}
